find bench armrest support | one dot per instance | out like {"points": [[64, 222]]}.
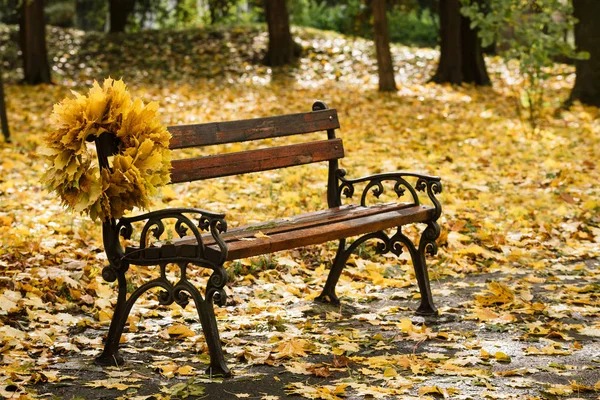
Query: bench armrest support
{"points": [[373, 184], [154, 227]]}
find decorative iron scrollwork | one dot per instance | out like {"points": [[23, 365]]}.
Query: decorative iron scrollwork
{"points": [[374, 185], [215, 291], [154, 227], [433, 185], [429, 237], [174, 293]]}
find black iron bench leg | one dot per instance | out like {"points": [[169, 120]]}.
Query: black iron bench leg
{"points": [[173, 293], [110, 355], [339, 262], [341, 257], [214, 292], [427, 244]]}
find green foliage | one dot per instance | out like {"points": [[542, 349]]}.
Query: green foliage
{"points": [[350, 17], [164, 14], [60, 13], [9, 11], [91, 15], [532, 32], [412, 27], [407, 22]]}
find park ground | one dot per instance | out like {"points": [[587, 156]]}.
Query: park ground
{"points": [[516, 276]]}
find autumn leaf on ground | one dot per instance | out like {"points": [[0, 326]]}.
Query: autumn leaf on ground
{"points": [[111, 384], [438, 391], [319, 370], [328, 392], [180, 331], [185, 389], [340, 361], [291, 348], [551, 349], [498, 293], [502, 357]]}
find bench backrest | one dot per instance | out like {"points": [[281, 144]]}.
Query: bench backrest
{"points": [[263, 159]]}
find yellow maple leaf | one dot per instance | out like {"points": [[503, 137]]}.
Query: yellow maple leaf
{"points": [[498, 293], [291, 348], [186, 370], [180, 331], [502, 357]]}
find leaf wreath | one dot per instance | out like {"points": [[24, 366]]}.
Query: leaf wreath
{"points": [[142, 163]]}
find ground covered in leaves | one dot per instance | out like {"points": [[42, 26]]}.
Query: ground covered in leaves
{"points": [[516, 277]]}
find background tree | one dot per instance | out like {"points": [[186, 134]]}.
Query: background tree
{"points": [[3, 118], [587, 38], [533, 34], [461, 58], [118, 13], [282, 48], [385, 66], [32, 31]]}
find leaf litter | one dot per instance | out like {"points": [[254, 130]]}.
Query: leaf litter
{"points": [[516, 276]]}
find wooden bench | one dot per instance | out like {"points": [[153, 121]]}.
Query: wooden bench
{"points": [[206, 242]]}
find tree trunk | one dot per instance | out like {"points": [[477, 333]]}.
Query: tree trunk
{"points": [[450, 65], [385, 66], [32, 32], [119, 11], [461, 56], [587, 38], [282, 48], [3, 118]]}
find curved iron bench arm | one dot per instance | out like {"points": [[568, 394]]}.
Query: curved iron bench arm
{"points": [[374, 185], [119, 258]]}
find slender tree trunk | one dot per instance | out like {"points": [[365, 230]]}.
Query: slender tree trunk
{"points": [[3, 118], [385, 66], [119, 11], [32, 32], [587, 38], [282, 48], [450, 65]]}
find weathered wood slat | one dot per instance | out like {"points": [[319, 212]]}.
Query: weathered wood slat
{"points": [[255, 160], [324, 233], [252, 129], [311, 219], [314, 228]]}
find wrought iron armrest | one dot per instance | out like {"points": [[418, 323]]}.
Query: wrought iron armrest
{"points": [[374, 185], [154, 226]]}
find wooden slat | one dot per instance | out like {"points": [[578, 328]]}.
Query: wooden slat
{"points": [[307, 220], [301, 230], [321, 233], [255, 160], [251, 129]]}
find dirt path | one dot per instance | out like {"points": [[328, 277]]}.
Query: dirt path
{"points": [[462, 356]]}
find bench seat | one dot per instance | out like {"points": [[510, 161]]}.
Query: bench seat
{"points": [[300, 230]]}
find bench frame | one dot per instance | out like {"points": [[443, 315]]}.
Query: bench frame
{"points": [[196, 220]]}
